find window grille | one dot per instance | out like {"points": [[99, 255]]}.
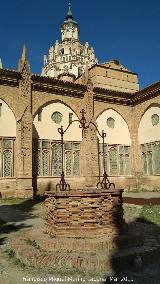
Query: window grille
{"points": [[6, 157], [117, 160], [47, 158], [151, 158]]}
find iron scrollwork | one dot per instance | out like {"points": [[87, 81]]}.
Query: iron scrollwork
{"points": [[62, 185], [105, 183]]}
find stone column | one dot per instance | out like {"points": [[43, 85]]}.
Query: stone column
{"points": [[135, 154], [24, 132], [89, 154], [24, 154], [136, 164]]}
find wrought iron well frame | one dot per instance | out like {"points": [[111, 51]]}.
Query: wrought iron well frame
{"points": [[105, 183]]}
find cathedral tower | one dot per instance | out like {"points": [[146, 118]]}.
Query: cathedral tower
{"points": [[68, 58]]}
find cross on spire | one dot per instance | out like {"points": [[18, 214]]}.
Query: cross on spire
{"points": [[69, 14]]}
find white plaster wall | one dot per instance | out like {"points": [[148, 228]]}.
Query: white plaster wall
{"points": [[117, 135], [7, 121], [48, 129], [147, 132]]}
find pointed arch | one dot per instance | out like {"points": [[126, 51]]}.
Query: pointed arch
{"points": [[147, 132], [48, 148], [149, 139], [7, 120], [47, 101], [47, 128], [119, 133]]}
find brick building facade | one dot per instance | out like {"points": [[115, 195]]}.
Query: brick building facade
{"points": [[32, 107]]}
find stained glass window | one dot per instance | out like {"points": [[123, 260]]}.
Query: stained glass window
{"points": [[76, 146], [7, 143], [46, 163], [57, 117], [45, 144], [68, 146], [121, 164], [56, 159], [6, 157], [68, 156], [151, 158], [76, 168], [47, 158], [113, 161], [155, 119], [111, 122], [156, 158], [7, 163], [117, 159]]}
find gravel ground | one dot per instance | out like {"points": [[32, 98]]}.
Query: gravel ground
{"points": [[13, 273]]}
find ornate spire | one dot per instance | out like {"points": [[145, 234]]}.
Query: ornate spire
{"points": [[24, 56], [23, 59], [69, 14], [69, 17], [1, 66]]}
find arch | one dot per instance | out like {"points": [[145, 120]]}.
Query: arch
{"points": [[11, 104], [121, 112], [144, 110], [149, 138], [46, 141], [119, 133], [50, 101], [147, 132], [7, 120], [47, 128]]}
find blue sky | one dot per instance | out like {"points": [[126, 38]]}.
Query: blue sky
{"points": [[125, 30]]}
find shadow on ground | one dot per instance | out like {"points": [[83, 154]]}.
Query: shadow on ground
{"points": [[137, 259], [17, 216]]}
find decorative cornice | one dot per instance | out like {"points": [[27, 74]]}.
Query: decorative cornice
{"points": [[127, 98], [111, 96], [65, 88], [51, 85], [147, 93], [9, 77]]}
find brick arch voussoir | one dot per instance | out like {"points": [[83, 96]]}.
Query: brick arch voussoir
{"points": [[46, 102], [12, 106], [122, 113], [142, 111]]}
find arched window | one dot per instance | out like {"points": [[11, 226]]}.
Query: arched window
{"points": [[6, 157], [47, 158], [7, 163], [117, 146], [47, 149], [149, 140]]}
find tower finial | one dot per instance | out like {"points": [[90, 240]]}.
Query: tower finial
{"points": [[24, 56], [23, 59], [69, 14]]}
